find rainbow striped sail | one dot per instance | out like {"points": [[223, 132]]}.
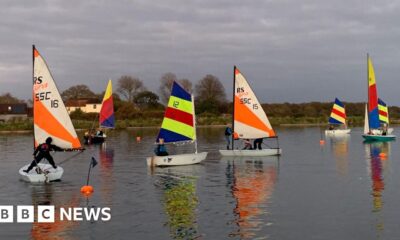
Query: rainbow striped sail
{"points": [[107, 109], [178, 124], [383, 111], [373, 114], [338, 114]]}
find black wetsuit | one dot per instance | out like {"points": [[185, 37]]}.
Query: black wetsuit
{"points": [[43, 151], [257, 143]]}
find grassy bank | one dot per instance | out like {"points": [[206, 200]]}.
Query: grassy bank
{"points": [[202, 120]]}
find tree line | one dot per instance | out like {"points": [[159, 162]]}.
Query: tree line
{"points": [[132, 99], [319, 109]]}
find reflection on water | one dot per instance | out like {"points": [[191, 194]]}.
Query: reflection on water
{"points": [[347, 191], [340, 150], [252, 184], [378, 154], [180, 200], [45, 195], [106, 155]]}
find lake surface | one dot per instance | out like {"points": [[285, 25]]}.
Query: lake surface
{"points": [[344, 189]]}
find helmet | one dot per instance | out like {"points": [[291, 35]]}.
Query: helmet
{"points": [[49, 140]]}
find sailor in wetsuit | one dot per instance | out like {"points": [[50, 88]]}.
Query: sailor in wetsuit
{"points": [[43, 151], [161, 150]]}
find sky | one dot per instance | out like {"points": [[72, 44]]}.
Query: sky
{"points": [[289, 50]]}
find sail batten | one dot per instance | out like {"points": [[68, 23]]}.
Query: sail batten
{"points": [[50, 116], [106, 116], [178, 123], [250, 120]]}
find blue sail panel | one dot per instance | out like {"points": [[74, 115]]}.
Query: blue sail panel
{"points": [[338, 102], [109, 122], [170, 136], [334, 121], [373, 119], [180, 92]]}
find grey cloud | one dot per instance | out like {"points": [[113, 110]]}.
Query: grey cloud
{"points": [[289, 50]]}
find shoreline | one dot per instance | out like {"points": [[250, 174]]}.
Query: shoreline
{"points": [[198, 126]]}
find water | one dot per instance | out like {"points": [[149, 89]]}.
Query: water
{"points": [[343, 190]]}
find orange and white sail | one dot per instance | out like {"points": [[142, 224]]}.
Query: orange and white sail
{"points": [[249, 117], [50, 116]]}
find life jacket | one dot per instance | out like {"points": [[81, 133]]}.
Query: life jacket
{"points": [[44, 147], [228, 131]]}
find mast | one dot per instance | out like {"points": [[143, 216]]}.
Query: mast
{"points": [[33, 99], [194, 125], [233, 109], [369, 129]]}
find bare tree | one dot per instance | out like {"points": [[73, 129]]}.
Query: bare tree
{"points": [[166, 82], [186, 84], [210, 89], [9, 98], [129, 86], [78, 91]]}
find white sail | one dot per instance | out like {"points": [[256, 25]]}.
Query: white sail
{"points": [[366, 126], [50, 116], [249, 117]]}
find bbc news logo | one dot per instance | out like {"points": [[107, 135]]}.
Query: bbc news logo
{"points": [[47, 214]]}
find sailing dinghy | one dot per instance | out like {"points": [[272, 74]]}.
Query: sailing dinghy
{"points": [[106, 117], [51, 119], [373, 130], [249, 119], [337, 119], [178, 126]]}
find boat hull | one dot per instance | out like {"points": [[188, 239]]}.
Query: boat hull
{"points": [[251, 153], [95, 139], [176, 160], [379, 138], [379, 131], [337, 132], [33, 177]]}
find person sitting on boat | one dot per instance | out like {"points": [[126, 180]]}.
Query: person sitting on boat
{"points": [[228, 134], [43, 151], [247, 144], [99, 133], [161, 150], [331, 127], [384, 129], [257, 143], [87, 137]]}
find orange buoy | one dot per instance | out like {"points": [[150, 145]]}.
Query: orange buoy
{"points": [[87, 190], [138, 139], [321, 142], [383, 156]]}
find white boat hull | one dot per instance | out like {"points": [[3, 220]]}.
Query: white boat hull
{"points": [[337, 132], [176, 160], [50, 175], [252, 153]]}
